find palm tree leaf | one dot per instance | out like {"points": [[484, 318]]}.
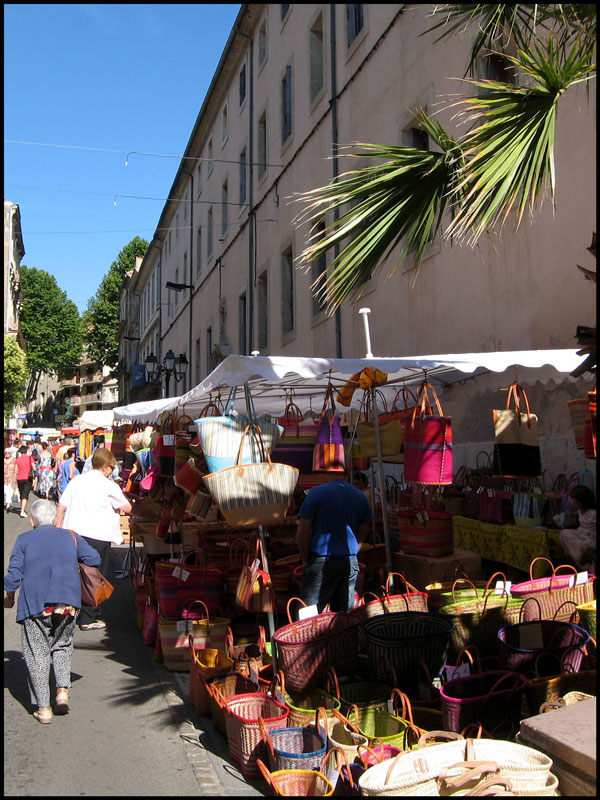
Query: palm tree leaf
{"points": [[399, 201], [509, 153]]}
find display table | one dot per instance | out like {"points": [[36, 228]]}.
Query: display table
{"points": [[510, 544], [422, 570]]}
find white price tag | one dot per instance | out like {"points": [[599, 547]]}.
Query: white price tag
{"points": [[537, 490], [502, 588], [530, 637], [182, 625], [579, 579], [184, 574], [490, 492], [423, 517], [168, 439], [140, 567], [307, 611], [176, 572]]}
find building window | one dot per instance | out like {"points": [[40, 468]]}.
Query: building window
{"points": [[356, 20], [263, 311], [177, 225], [242, 84], [316, 57], [185, 204], [317, 268], [287, 291], [243, 166], [225, 123], [262, 145], [185, 271], [209, 233], [262, 42], [198, 251], [209, 347], [209, 156], [177, 281], [224, 208], [417, 138], [199, 177], [286, 104], [153, 291], [169, 242], [242, 317]]}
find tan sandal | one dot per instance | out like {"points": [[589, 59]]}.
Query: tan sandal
{"points": [[44, 716], [62, 701]]}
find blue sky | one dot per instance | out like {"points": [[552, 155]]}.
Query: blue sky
{"points": [[102, 81]]}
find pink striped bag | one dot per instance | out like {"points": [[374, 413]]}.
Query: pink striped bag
{"points": [[428, 442], [425, 533]]}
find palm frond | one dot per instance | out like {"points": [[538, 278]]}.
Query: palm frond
{"points": [[517, 24], [399, 201], [509, 153]]}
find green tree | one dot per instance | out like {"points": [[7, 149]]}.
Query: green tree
{"points": [[15, 375], [101, 318], [51, 328], [503, 162]]}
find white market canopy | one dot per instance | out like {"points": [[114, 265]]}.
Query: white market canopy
{"points": [[271, 379], [147, 411], [92, 420]]}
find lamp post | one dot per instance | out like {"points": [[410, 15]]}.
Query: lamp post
{"points": [[179, 287], [172, 365]]}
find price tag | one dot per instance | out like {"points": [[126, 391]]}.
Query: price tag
{"points": [[182, 625], [176, 572], [579, 579], [537, 490], [140, 567], [461, 671], [174, 560], [530, 636], [184, 574], [490, 492], [307, 611], [502, 588], [168, 439], [423, 516]]}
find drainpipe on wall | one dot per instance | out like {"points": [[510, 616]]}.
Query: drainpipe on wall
{"points": [[251, 219], [159, 293], [334, 153], [191, 284]]}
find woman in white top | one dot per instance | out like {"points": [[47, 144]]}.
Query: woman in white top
{"points": [[90, 505]]}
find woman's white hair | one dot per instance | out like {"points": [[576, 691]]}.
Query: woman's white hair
{"points": [[42, 512]]}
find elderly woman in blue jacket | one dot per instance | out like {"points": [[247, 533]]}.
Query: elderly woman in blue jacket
{"points": [[43, 566]]}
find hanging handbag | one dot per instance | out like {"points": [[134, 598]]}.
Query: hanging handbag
{"points": [[95, 588], [428, 442], [328, 453], [400, 414], [516, 438], [188, 477], [297, 441], [254, 588], [221, 436], [165, 447], [391, 433], [253, 493]]}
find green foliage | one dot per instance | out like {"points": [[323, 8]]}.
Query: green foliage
{"points": [[505, 161], [101, 318], [15, 375], [51, 326]]}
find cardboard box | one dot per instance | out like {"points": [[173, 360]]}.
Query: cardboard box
{"points": [[421, 570]]}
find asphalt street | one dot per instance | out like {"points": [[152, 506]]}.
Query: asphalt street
{"points": [[131, 729]]}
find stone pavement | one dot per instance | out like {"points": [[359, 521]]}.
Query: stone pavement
{"points": [[131, 729]]}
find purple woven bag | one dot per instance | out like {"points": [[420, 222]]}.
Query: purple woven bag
{"points": [[328, 455]]}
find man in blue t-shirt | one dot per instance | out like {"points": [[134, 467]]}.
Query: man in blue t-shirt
{"points": [[332, 524]]}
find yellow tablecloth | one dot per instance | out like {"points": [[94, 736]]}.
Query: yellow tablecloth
{"points": [[510, 544]]}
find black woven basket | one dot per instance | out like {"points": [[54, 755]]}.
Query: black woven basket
{"points": [[404, 638]]}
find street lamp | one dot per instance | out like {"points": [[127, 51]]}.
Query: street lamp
{"points": [[176, 366]]}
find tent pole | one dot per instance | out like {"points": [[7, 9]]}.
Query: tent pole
{"points": [[386, 535], [270, 618]]}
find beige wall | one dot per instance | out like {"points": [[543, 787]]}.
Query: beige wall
{"points": [[515, 290]]}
